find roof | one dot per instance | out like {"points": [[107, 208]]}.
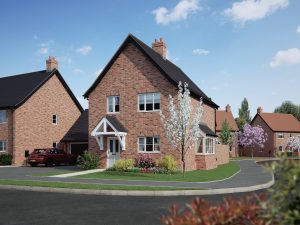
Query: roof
{"points": [[280, 122], [221, 116], [15, 90], [116, 123], [170, 70], [205, 129], [79, 131]]}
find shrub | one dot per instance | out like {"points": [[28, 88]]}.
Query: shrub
{"points": [[124, 164], [231, 211], [166, 164], [144, 161], [5, 159], [88, 160]]}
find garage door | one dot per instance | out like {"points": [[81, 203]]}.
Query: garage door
{"points": [[78, 149]]}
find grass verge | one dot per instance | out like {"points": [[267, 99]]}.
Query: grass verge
{"points": [[221, 172], [70, 185]]}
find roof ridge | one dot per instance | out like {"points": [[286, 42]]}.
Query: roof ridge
{"points": [[22, 74]]}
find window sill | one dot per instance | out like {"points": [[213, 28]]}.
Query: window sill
{"points": [[112, 112], [149, 152], [3, 123], [149, 111], [205, 154]]}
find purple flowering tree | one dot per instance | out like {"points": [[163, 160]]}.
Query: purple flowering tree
{"points": [[294, 143], [252, 137]]}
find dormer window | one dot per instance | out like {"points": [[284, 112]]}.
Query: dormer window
{"points": [[113, 104], [149, 102], [54, 119]]}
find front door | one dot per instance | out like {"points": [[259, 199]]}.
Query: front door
{"points": [[113, 151]]}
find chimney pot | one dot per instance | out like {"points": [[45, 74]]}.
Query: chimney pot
{"points": [[51, 64], [228, 108], [259, 110], [160, 47]]}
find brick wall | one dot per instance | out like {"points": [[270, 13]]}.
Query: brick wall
{"points": [[33, 120], [222, 152], [132, 74], [234, 146], [283, 141], [6, 131]]}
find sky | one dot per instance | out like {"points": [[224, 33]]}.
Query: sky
{"points": [[231, 49]]}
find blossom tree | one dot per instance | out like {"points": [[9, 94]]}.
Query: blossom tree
{"points": [[252, 137], [182, 122], [294, 143]]}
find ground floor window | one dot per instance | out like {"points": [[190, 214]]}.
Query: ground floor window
{"points": [[206, 145], [149, 144], [280, 148], [3, 146]]}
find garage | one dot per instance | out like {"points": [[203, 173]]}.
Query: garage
{"points": [[78, 148]]}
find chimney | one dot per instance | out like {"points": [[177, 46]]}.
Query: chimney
{"points": [[51, 64], [228, 108], [259, 110], [160, 47]]}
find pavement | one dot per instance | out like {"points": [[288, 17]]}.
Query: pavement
{"points": [[35, 208]]}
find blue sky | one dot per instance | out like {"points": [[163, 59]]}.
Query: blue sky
{"points": [[230, 49]]}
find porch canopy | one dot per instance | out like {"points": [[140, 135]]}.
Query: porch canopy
{"points": [[110, 126]]}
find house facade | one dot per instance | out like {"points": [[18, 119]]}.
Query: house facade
{"points": [[279, 128], [125, 103], [226, 115], [36, 111]]}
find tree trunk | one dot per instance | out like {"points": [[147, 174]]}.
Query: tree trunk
{"points": [[252, 152]]}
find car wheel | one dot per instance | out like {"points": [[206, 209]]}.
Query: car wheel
{"points": [[33, 164], [49, 163]]}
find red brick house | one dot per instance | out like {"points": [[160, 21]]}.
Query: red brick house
{"points": [[221, 116], [36, 111], [125, 101], [279, 127]]}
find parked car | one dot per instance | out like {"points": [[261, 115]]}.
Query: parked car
{"points": [[50, 157]]}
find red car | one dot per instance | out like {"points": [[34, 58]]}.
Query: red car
{"points": [[50, 157]]}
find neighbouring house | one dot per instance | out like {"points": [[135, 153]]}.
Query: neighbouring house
{"points": [[76, 139], [36, 111], [226, 115], [125, 101], [279, 128]]}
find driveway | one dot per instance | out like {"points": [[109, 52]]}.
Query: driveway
{"points": [[34, 208], [251, 174]]}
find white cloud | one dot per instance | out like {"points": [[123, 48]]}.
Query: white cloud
{"points": [[84, 50], [84, 103], [199, 51], [179, 12], [35, 37], [298, 30], [97, 72], [286, 57], [43, 50], [251, 10], [77, 71]]}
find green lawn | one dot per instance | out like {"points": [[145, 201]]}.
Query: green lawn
{"points": [[85, 186], [222, 172]]}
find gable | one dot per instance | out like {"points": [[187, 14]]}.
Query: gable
{"points": [[221, 116], [167, 68]]}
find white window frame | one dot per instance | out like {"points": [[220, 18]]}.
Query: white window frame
{"points": [[3, 119], [114, 103], [211, 148], [56, 143], [145, 145], [56, 119], [144, 96], [3, 146], [281, 148], [280, 135]]}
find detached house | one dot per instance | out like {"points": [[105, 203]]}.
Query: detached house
{"points": [[125, 101], [279, 127], [36, 111], [226, 115]]}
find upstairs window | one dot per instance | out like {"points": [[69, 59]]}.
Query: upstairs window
{"points": [[3, 117], [149, 102], [54, 119], [113, 104], [280, 135], [3, 146]]}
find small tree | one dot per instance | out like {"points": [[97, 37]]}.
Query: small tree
{"points": [[225, 135], [182, 122], [294, 143], [252, 137]]}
